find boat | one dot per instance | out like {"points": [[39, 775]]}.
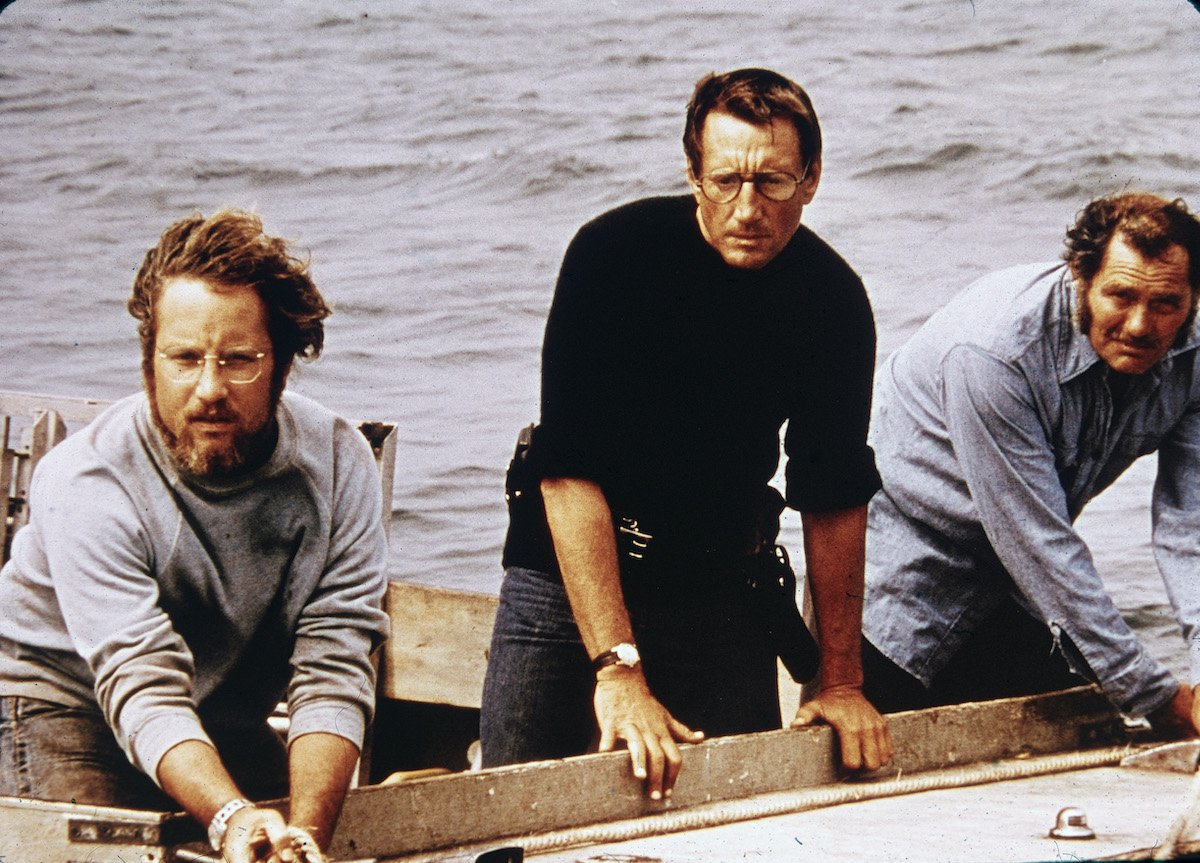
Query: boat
{"points": [[1048, 777]]}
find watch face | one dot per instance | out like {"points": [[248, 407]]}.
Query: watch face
{"points": [[627, 654]]}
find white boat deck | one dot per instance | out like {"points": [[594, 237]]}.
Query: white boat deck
{"points": [[1129, 810]]}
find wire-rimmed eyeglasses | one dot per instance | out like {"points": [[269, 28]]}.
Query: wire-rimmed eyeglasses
{"points": [[237, 367], [721, 187]]}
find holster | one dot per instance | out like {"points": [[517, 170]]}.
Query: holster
{"points": [[772, 583]]}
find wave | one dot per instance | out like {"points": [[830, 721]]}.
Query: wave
{"points": [[560, 173], [263, 175], [1075, 49], [941, 158]]}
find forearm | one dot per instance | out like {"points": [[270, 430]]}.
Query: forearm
{"points": [[581, 526], [835, 548], [835, 553], [321, 767], [192, 773]]}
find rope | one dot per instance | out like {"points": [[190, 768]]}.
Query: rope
{"points": [[783, 803]]}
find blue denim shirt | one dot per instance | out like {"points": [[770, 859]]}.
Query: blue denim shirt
{"points": [[993, 427]]}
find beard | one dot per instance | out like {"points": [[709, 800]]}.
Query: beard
{"points": [[205, 458]]}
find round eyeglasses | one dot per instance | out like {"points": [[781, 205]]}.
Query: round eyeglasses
{"points": [[721, 187], [237, 367]]}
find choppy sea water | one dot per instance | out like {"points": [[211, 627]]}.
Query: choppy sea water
{"points": [[436, 158]]}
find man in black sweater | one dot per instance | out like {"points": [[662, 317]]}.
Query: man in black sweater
{"points": [[684, 332]]}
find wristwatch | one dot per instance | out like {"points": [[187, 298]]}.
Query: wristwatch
{"points": [[624, 654], [220, 822]]}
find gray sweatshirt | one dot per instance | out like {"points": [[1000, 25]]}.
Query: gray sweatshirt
{"points": [[172, 604]]}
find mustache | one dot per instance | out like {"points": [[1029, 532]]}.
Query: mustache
{"points": [[217, 415], [1140, 342]]}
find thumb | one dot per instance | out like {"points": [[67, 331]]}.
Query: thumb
{"points": [[681, 732], [807, 714]]}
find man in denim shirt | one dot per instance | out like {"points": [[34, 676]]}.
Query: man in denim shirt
{"points": [[1011, 408]]}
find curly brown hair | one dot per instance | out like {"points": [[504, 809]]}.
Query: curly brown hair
{"points": [[757, 96], [229, 248], [1149, 223]]}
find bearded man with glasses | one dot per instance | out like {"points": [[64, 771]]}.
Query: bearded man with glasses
{"points": [[684, 332], [195, 554]]}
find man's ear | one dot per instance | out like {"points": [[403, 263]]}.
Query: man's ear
{"points": [[694, 183], [808, 188]]}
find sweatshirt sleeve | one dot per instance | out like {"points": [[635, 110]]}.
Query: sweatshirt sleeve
{"points": [[100, 561], [332, 688]]}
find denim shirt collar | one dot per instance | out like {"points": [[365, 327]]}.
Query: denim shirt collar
{"points": [[1078, 356]]}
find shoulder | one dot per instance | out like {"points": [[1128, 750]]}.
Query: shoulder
{"points": [[111, 440], [320, 439], [818, 256], [1007, 313], [642, 220], [817, 283], [101, 479]]}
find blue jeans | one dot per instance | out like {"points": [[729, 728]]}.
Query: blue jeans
{"points": [[704, 655], [52, 752]]}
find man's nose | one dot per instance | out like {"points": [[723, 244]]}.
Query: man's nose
{"points": [[210, 386], [1137, 321], [747, 203]]}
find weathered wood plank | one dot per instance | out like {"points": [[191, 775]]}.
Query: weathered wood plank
{"points": [[462, 809], [71, 409], [35, 830], [437, 650]]}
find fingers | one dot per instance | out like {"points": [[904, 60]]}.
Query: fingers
{"points": [[674, 761], [655, 759], [655, 768], [864, 740], [608, 739], [626, 711], [274, 845], [637, 753], [883, 746]]}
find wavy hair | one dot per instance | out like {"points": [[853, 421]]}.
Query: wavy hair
{"points": [[229, 248], [757, 96]]}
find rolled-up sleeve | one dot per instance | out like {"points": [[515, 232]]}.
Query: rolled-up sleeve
{"points": [[1176, 534], [830, 466]]}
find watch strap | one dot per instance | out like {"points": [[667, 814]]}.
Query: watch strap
{"points": [[623, 654], [605, 659], [220, 822]]}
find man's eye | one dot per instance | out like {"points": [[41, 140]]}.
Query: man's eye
{"points": [[238, 361], [775, 181], [186, 358], [726, 181]]}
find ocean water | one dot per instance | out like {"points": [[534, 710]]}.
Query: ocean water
{"points": [[435, 159]]}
